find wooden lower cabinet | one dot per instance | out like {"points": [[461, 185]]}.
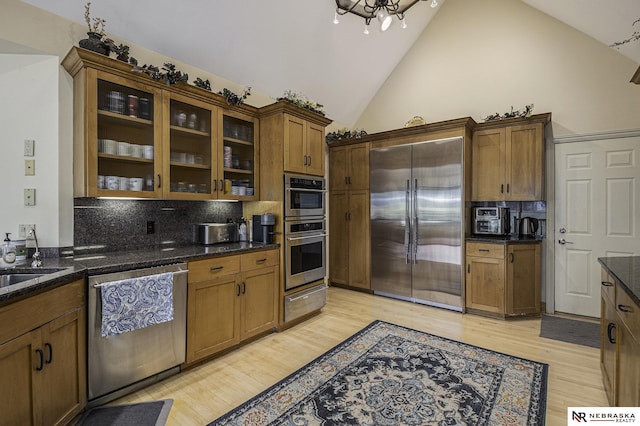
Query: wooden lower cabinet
{"points": [[349, 241], [43, 370], [503, 279], [620, 345], [230, 299]]}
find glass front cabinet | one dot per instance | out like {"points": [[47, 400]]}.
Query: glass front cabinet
{"points": [[122, 153], [239, 156], [140, 138]]}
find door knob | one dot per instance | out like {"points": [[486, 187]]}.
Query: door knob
{"points": [[563, 241]]}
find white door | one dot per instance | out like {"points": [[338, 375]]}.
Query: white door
{"points": [[597, 215]]}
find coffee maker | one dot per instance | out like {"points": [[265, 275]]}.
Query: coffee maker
{"points": [[263, 227]]}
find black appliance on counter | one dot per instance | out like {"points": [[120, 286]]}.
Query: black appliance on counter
{"points": [[528, 227], [263, 228]]}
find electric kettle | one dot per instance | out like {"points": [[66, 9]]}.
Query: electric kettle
{"points": [[528, 227]]}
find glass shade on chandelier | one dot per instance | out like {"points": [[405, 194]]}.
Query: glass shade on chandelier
{"points": [[382, 10]]}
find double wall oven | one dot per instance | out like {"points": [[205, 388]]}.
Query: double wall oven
{"points": [[305, 237]]}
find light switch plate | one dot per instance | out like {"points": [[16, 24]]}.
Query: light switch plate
{"points": [[29, 167], [30, 197], [29, 147]]}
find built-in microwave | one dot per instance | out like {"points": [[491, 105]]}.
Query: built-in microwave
{"points": [[491, 221], [304, 196]]}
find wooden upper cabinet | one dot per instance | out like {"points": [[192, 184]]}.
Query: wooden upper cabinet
{"points": [[139, 137], [508, 160], [488, 165], [349, 167], [524, 162], [303, 146]]}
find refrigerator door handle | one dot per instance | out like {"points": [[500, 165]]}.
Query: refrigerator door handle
{"points": [[415, 222], [407, 228]]}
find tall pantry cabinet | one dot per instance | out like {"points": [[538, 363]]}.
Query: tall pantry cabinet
{"points": [[349, 242]]}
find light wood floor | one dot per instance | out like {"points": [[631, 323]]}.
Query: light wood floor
{"points": [[202, 394]]}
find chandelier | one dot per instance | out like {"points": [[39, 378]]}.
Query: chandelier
{"points": [[382, 10]]}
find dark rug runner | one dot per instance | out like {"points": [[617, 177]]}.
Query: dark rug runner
{"points": [[391, 375], [571, 331], [153, 413]]}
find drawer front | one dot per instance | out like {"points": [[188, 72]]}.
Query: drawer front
{"points": [[608, 286], [203, 270], [259, 259], [304, 302], [628, 311], [485, 250]]}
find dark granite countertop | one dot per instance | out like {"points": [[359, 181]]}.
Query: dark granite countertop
{"points": [[503, 239], [63, 270], [626, 272]]}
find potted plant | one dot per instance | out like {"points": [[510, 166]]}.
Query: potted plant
{"points": [[95, 33]]}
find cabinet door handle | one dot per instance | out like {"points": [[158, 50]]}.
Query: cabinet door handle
{"points": [[215, 185], [511, 257], [244, 287], [49, 358], [346, 215], [221, 186], [625, 308], [41, 357], [468, 268], [237, 289], [349, 180], [259, 261], [309, 161], [349, 215], [611, 327], [502, 188], [346, 180], [484, 250], [507, 188], [607, 284], [305, 160], [216, 268], [159, 180]]}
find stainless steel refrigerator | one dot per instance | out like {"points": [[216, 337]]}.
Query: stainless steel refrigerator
{"points": [[416, 222]]}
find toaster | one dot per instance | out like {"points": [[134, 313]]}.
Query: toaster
{"points": [[214, 233]]}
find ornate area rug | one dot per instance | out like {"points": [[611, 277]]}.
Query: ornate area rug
{"points": [[391, 375]]}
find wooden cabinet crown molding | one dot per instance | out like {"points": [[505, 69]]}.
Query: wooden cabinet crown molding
{"points": [[79, 58], [280, 107], [544, 118], [466, 123]]}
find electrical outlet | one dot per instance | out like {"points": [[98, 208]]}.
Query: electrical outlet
{"points": [[23, 231], [29, 167]]}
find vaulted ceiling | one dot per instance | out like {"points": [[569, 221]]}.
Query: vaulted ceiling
{"points": [[280, 45]]}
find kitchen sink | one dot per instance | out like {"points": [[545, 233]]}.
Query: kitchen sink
{"points": [[10, 277]]}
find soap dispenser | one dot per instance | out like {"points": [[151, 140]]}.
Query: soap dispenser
{"points": [[242, 232], [8, 252]]}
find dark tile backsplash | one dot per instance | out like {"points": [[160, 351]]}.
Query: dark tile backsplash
{"points": [[111, 225]]}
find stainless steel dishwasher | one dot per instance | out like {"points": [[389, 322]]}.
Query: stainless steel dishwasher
{"points": [[117, 365]]}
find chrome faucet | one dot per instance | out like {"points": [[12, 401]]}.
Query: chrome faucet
{"points": [[37, 262]]}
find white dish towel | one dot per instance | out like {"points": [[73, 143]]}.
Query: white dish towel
{"points": [[136, 303]]}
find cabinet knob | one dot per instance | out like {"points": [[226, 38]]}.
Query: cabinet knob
{"points": [[611, 327], [41, 358], [49, 349], [625, 308]]}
